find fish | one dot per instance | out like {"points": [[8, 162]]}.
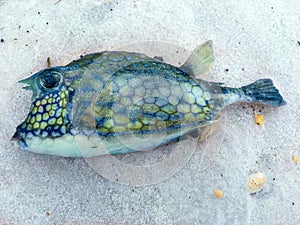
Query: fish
{"points": [[116, 102]]}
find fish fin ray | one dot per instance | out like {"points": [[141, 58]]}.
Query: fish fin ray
{"points": [[200, 61], [263, 91]]}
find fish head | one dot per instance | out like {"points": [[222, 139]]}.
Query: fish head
{"points": [[49, 115]]}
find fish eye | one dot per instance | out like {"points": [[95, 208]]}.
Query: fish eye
{"points": [[50, 80]]}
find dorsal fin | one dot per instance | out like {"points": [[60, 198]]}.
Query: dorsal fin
{"points": [[200, 60]]}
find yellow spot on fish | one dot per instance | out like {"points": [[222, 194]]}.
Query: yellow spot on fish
{"points": [[189, 117], [135, 126], [36, 125], [59, 121], [43, 125], [189, 99], [206, 96], [64, 112], [197, 91], [32, 120], [201, 116], [218, 193], [65, 102], [29, 127], [118, 128], [40, 109], [50, 100], [183, 108], [45, 116], [54, 106], [38, 102], [200, 101], [62, 95], [173, 100], [52, 121], [58, 112], [195, 109], [34, 110], [205, 109], [48, 108], [38, 117], [121, 119], [108, 123], [51, 113], [44, 102], [103, 130]]}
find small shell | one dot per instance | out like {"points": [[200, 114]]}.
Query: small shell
{"points": [[218, 193], [295, 159], [259, 119], [256, 182]]}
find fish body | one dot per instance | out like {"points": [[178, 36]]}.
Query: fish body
{"points": [[118, 102]]}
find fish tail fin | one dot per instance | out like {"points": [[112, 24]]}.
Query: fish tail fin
{"points": [[263, 91]]}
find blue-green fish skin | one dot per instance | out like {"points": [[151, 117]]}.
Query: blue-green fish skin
{"points": [[118, 102]]}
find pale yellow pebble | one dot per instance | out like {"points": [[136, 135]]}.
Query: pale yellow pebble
{"points": [[218, 193], [259, 119], [256, 182], [295, 159]]}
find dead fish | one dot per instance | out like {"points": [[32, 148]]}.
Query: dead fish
{"points": [[115, 102]]}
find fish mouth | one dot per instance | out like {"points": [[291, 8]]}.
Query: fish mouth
{"points": [[17, 138], [27, 82]]}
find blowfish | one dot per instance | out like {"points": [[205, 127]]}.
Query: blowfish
{"points": [[115, 102]]}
